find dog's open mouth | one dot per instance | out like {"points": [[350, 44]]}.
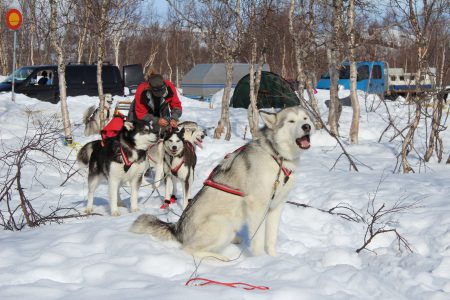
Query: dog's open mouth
{"points": [[304, 142], [199, 142]]}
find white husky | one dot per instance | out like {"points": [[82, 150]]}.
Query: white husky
{"points": [[248, 186]]}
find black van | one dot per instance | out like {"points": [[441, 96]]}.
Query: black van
{"points": [[41, 82]]}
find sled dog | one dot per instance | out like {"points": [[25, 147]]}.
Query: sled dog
{"points": [[119, 159], [91, 117], [179, 164], [249, 186], [192, 133]]}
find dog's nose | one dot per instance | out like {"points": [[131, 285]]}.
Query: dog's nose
{"points": [[306, 128], [174, 147]]}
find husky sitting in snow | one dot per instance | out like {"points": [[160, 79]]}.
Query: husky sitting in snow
{"points": [[248, 186], [91, 116], [118, 159]]}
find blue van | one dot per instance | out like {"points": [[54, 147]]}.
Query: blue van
{"points": [[371, 77]]}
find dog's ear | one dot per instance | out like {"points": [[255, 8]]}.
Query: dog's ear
{"points": [[128, 125], [180, 133], [268, 118]]}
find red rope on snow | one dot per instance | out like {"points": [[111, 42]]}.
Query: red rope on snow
{"points": [[243, 285]]}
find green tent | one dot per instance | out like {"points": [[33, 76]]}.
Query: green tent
{"points": [[274, 91]]}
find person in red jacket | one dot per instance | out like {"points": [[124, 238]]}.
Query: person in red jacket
{"points": [[156, 102]]}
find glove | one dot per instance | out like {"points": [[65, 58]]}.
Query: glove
{"points": [[173, 123], [163, 122]]}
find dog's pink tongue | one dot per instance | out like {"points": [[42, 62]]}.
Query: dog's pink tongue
{"points": [[304, 142], [199, 144]]}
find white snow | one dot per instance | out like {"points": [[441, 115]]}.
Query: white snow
{"points": [[98, 258]]}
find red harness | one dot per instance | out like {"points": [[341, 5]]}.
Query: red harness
{"points": [[125, 159], [236, 191], [175, 170]]}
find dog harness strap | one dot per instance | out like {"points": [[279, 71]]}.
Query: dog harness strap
{"points": [[125, 159], [222, 187], [177, 168], [285, 170]]}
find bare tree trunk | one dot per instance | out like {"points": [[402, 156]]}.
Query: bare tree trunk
{"points": [[435, 141], [283, 59], [82, 37], [117, 39], [32, 30], [334, 99], [224, 116], [167, 60], [354, 128], [297, 51], [332, 55], [57, 44], [100, 59]]}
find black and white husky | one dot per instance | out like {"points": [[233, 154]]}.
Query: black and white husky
{"points": [[193, 134], [249, 186], [91, 116], [119, 159], [179, 165]]}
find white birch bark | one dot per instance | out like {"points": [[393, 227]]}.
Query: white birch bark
{"points": [[57, 43]]}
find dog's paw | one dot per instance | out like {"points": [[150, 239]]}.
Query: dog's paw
{"points": [[89, 210], [115, 213], [136, 209]]}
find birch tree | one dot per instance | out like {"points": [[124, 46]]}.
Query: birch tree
{"points": [[256, 31], [420, 16], [301, 18], [58, 34], [221, 26], [333, 51], [354, 128]]}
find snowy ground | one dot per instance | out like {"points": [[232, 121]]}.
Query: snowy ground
{"points": [[98, 258]]}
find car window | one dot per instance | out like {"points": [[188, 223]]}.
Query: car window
{"points": [[42, 78], [344, 72], [20, 74], [363, 73], [108, 75], [74, 75], [376, 72]]}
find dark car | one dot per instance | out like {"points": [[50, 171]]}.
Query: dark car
{"points": [[41, 82]]}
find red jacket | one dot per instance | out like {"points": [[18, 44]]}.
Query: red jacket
{"points": [[144, 107]]}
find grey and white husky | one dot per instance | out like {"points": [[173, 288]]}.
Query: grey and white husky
{"points": [[248, 186], [119, 159], [91, 116]]}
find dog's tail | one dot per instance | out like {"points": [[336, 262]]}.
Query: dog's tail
{"points": [[88, 113], [148, 224], [84, 155]]}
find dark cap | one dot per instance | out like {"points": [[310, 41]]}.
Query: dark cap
{"points": [[157, 85]]}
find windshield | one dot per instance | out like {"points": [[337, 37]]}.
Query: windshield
{"points": [[20, 74]]}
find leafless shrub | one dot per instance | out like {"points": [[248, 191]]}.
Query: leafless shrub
{"points": [[378, 219], [38, 152]]}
